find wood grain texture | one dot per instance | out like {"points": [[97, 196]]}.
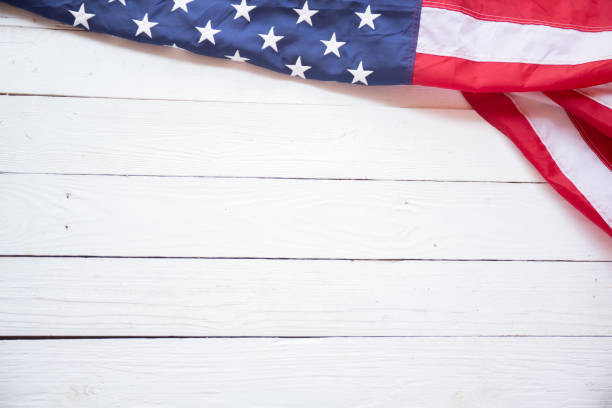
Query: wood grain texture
{"points": [[105, 66], [295, 373], [212, 217], [178, 297], [85, 136]]}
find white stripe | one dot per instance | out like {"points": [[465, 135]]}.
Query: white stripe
{"points": [[601, 94], [454, 34], [568, 149]]}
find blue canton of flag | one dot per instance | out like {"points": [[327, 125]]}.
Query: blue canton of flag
{"points": [[371, 43]]}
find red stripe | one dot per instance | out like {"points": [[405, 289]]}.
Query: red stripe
{"points": [[498, 110], [582, 15], [585, 108], [597, 141], [467, 75]]}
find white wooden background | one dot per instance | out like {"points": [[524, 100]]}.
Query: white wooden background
{"points": [[177, 231]]}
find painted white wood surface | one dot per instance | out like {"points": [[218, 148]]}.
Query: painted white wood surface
{"points": [[15, 17], [201, 297], [85, 136], [232, 126], [219, 217], [287, 373]]}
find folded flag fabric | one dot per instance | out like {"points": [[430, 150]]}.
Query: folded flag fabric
{"points": [[566, 136], [540, 71]]}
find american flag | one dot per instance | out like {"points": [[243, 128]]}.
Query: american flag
{"points": [[540, 71]]}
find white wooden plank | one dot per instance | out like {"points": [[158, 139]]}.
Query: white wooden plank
{"points": [[15, 17], [85, 136], [216, 217], [296, 373], [101, 65], [186, 297]]}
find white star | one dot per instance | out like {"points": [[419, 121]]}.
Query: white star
{"points": [[298, 69], [180, 4], [333, 45], [242, 10], [305, 13], [270, 39], [120, 1], [367, 18], [144, 26], [360, 74], [236, 57], [208, 33], [81, 17]]}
